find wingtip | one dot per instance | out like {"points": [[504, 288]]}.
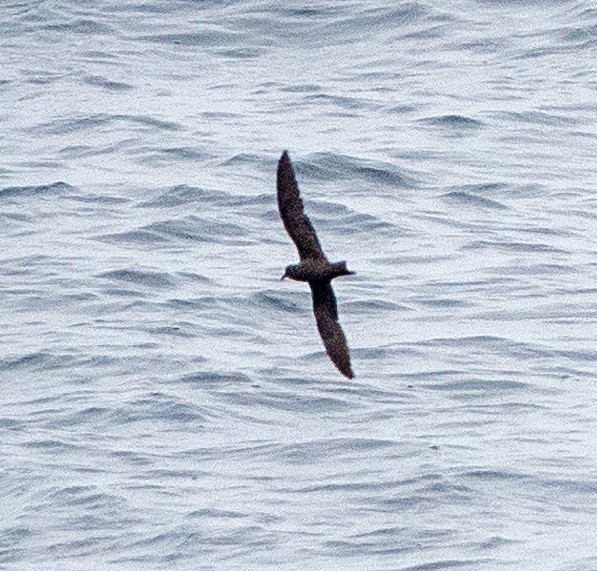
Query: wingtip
{"points": [[285, 167], [349, 374], [345, 369]]}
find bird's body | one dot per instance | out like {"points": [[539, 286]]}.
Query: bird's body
{"points": [[314, 266], [313, 270]]}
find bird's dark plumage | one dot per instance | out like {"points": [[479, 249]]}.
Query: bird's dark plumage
{"points": [[326, 315], [292, 211], [314, 266]]}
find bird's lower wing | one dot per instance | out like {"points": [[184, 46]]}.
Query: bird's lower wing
{"points": [[326, 316], [292, 211]]}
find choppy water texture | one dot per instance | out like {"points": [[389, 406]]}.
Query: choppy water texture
{"points": [[166, 402]]}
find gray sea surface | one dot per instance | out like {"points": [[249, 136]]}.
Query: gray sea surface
{"points": [[166, 402]]}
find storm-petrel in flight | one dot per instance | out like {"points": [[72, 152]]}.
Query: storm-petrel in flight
{"points": [[314, 267]]}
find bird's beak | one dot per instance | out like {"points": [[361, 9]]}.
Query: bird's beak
{"points": [[284, 276]]}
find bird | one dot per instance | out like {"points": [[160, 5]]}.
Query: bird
{"points": [[314, 266]]}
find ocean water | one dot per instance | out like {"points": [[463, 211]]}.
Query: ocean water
{"points": [[165, 399]]}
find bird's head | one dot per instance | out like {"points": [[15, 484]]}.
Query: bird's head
{"points": [[289, 272]]}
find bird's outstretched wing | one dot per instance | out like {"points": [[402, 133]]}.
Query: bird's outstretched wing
{"points": [[326, 315], [292, 211]]}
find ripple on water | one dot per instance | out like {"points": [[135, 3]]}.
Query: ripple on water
{"points": [[465, 198], [454, 125], [56, 188], [149, 279]]}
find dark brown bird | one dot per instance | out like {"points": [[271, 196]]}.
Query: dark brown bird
{"points": [[314, 267]]}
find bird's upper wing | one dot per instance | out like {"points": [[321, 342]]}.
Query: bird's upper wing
{"points": [[292, 211], [326, 315]]}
